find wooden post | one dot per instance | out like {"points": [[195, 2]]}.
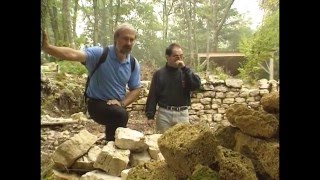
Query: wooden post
{"points": [[271, 68]]}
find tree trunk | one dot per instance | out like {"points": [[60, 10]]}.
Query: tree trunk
{"points": [[64, 22], [214, 34], [271, 69], [194, 51], [96, 21], [103, 30], [53, 13], [216, 26], [44, 13], [74, 18], [111, 18], [188, 19], [117, 13], [208, 50], [67, 26], [165, 19]]}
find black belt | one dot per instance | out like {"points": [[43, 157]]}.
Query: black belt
{"points": [[175, 108], [93, 99]]}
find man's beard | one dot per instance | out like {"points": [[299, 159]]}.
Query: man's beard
{"points": [[125, 50]]}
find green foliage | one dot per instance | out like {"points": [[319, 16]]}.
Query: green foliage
{"points": [[231, 35], [220, 73], [260, 48], [72, 67], [80, 40], [148, 46], [270, 5], [151, 24]]}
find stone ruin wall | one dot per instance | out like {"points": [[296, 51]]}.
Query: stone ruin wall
{"points": [[209, 104]]}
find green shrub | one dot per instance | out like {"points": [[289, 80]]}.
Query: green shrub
{"points": [[72, 67], [220, 73]]}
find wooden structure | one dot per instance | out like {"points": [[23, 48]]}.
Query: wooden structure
{"points": [[220, 54], [230, 61]]}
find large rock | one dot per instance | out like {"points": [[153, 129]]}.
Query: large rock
{"points": [[263, 153], [185, 145], [252, 122], [86, 161], [133, 140], [234, 166], [224, 136], [139, 158], [112, 160], [98, 175], [270, 102], [155, 170], [69, 151], [152, 142], [204, 172]]}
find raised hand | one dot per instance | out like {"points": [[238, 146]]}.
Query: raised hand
{"points": [[44, 39], [180, 64]]}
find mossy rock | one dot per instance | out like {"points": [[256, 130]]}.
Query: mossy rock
{"points": [[204, 172]]}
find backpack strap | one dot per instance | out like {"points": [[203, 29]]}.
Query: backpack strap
{"points": [[101, 60], [132, 62]]}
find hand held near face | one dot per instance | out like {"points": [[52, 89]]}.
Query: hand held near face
{"points": [[180, 64]]}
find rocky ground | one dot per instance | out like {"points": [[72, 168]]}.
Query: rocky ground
{"points": [[53, 135]]}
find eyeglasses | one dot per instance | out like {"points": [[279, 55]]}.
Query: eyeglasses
{"points": [[178, 56]]}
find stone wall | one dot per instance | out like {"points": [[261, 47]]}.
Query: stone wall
{"points": [[210, 103]]}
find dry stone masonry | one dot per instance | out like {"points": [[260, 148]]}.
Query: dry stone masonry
{"points": [[210, 103]]}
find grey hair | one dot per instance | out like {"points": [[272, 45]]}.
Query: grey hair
{"points": [[120, 28]]}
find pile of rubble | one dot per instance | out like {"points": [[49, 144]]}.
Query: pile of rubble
{"points": [[247, 149]]}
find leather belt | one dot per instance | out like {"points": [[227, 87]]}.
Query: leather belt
{"points": [[175, 108]]}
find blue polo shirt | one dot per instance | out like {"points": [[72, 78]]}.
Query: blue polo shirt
{"points": [[112, 77]]}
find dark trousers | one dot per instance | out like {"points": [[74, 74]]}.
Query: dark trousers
{"points": [[112, 116]]}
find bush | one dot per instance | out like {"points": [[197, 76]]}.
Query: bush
{"points": [[72, 67]]}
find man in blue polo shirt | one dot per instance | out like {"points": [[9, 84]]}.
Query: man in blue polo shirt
{"points": [[107, 87]]}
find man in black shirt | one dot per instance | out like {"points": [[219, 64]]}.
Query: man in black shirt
{"points": [[170, 89]]}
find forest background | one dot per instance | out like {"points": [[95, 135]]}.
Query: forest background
{"points": [[200, 26]]}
